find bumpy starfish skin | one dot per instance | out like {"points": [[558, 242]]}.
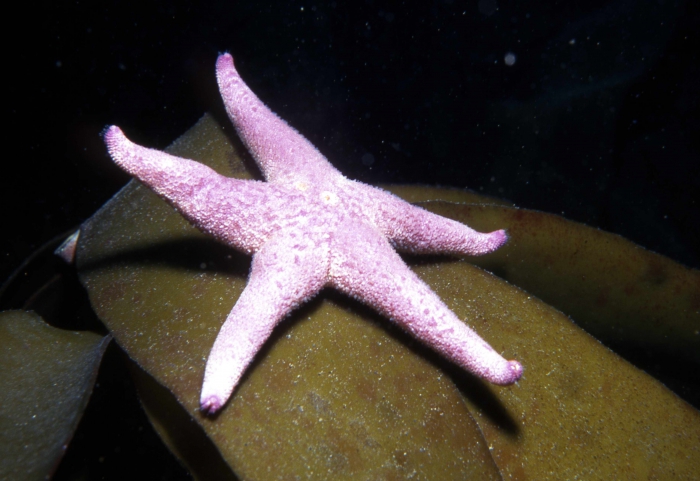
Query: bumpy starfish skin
{"points": [[308, 227]]}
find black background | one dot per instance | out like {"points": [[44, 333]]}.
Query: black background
{"points": [[596, 120]]}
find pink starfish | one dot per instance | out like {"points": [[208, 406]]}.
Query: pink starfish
{"points": [[308, 227]]}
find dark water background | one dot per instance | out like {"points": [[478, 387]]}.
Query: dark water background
{"points": [[597, 119]]}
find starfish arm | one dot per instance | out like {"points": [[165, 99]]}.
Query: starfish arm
{"points": [[285, 272], [367, 268], [416, 230], [238, 212], [282, 153]]}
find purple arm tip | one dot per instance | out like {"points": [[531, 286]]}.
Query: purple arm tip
{"points": [[517, 369], [210, 405], [503, 238], [224, 60]]}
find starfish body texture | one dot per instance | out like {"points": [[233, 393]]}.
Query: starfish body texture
{"points": [[309, 227]]}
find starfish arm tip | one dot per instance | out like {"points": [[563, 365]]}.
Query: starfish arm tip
{"points": [[500, 238], [116, 142], [511, 375], [516, 369], [507, 373], [111, 133], [224, 60], [210, 404], [489, 242]]}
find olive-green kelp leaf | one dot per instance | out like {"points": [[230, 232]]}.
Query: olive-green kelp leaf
{"points": [[180, 432], [616, 290], [46, 377], [333, 396], [338, 390], [580, 411]]}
